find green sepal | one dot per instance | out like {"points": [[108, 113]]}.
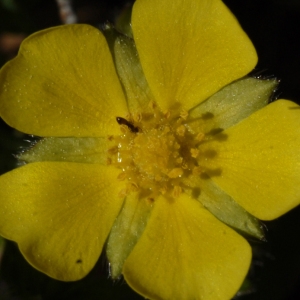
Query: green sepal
{"points": [[126, 231], [123, 22], [223, 207], [232, 104], [81, 150], [129, 70]]}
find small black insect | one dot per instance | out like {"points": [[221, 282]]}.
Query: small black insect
{"points": [[123, 121]]}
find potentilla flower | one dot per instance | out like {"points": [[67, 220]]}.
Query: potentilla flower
{"points": [[155, 149]]}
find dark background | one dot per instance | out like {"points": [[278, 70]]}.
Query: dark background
{"points": [[274, 28]]}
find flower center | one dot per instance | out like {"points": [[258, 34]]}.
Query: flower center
{"points": [[155, 152]]}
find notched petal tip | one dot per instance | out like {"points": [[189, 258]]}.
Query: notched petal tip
{"points": [[186, 253], [60, 214], [197, 44], [260, 160], [62, 93]]}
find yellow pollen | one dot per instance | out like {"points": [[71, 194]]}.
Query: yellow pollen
{"points": [[176, 172], [155, 152], [124, 129], [152, 105], [179, 160], [180, 130], [196, 171], [184, 165], [167, 114], [122, 176], [184, 114], [113, 150], [166, 130], [194, 152], [200, 136], [132, 187], [163, 190], [137, 117]]}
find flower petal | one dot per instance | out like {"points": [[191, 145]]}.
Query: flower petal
{"points": [[258, 160], [233, 103], [189, 49], [83, 150], [186, 253], [62, 83], [126, 231], [59, 214]]}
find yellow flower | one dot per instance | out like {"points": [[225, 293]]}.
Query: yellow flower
{"points": [[147, 153]]}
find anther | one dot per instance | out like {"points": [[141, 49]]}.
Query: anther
{"points": [[196, 171], [180, 130], [184, 165], [194, 152], [124, 129], [137, 117], [200, 136], [113, 150], [179, 160], [163, 190], [176, 191], [184, 114], [133, 187], [176, 172], [167, 114], [166, 130], [121, 176], [152, 105], [154, 152]]}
